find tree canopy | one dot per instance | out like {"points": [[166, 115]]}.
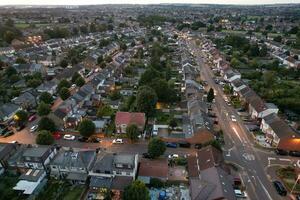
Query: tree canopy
{"points": [[44, 138], [146, 100], [156, 147], [137, 190], [132, 132], [43, 109], [64, 93], [46, 97], [210, 95], [21, 117], [86, 128], [46, 123]]}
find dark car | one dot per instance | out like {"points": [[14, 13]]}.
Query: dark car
{"points": [[82, 139], [184, 144], [171, 145], [198, 146], [19, 128], [294, 153], [147, 155], [94, 140], [279, 188], [281, 152]]}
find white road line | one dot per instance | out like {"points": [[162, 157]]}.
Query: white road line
{"points": [[235, 131], [266, 191], [285, 159]]}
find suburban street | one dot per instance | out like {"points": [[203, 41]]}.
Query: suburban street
{"points": [[239, 143]]}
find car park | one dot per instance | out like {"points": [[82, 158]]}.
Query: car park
{"points": [[280, 188], [171, 145], [118, 141], [69, 137]]}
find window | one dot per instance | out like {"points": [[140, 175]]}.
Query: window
{"points": [[128, 173], [119, 165], [117, 172]]}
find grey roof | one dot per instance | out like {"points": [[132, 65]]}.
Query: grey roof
{"points": [[103, 163], [32, 175], [80, 159], [8, 109], [39, 151], [124, 159], [77, 176]]}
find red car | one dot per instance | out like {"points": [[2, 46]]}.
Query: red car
{"points": [[56, 135], [32, 118]]}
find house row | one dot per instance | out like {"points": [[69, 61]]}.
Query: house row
{"points": [[37, 163]]}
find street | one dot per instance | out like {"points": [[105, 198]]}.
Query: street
{"points": [[239, 143]]}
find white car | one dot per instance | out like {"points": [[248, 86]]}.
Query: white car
{"points": [[173, 156], [118, 141], [69, 137], [33, 128], [233, 118], [240, 194]]}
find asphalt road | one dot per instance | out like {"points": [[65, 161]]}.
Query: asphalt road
{"points": [[239, 142]]}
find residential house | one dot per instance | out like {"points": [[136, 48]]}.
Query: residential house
{"points": [[208, 176], [48, 86], [231, 75], [275, 129], [6, 151], [31, 182], [112, 165], [237, 86], [124, 119], [25, 100], [149, 169], [7, 111], [258, 108], [73, 165]]}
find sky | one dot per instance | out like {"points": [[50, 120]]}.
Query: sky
{"points": [[92, 2]]}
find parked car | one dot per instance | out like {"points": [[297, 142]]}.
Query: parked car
{"points": [[184, 144], [19, 128], [233, 118], [147, 155], [172, 156], [240, 194], [94, 140], [32, 118], [198, 146], [280, 188], [171, 145], [34, 128], [69, 137], [56, 135], [294, 153], [118, 141], [82, 139], [281, 152]]}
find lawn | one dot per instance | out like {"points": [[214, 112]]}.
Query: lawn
{"points": [[288, 177], [60, 190], [22, 25]]}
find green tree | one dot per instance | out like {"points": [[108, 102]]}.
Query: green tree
{"points": [[86, 128], [210, 95], [64, 93], [46, 97], [44, 138], [64, 63], [63, 84], [137, 190], [80, 81], [132, 132], [277, 38], [21, 117], [75, 76], [234, 62], [20, 60], [10, 71], [227, 89], [43, 109], [156, 147], [100, 59], [173, 123], [46, 123], [146, 100], [105, 110]]}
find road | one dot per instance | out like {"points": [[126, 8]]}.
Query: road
{"points": [[239, 147]]}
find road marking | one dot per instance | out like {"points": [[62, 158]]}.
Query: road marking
{"points": [[269, 160], [264, 188], [285, 159], [235, 131]]}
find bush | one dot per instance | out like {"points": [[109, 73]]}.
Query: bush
{"points": [[156, 183]]}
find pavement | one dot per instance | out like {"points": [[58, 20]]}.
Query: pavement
{"points": [[239, 142]]}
